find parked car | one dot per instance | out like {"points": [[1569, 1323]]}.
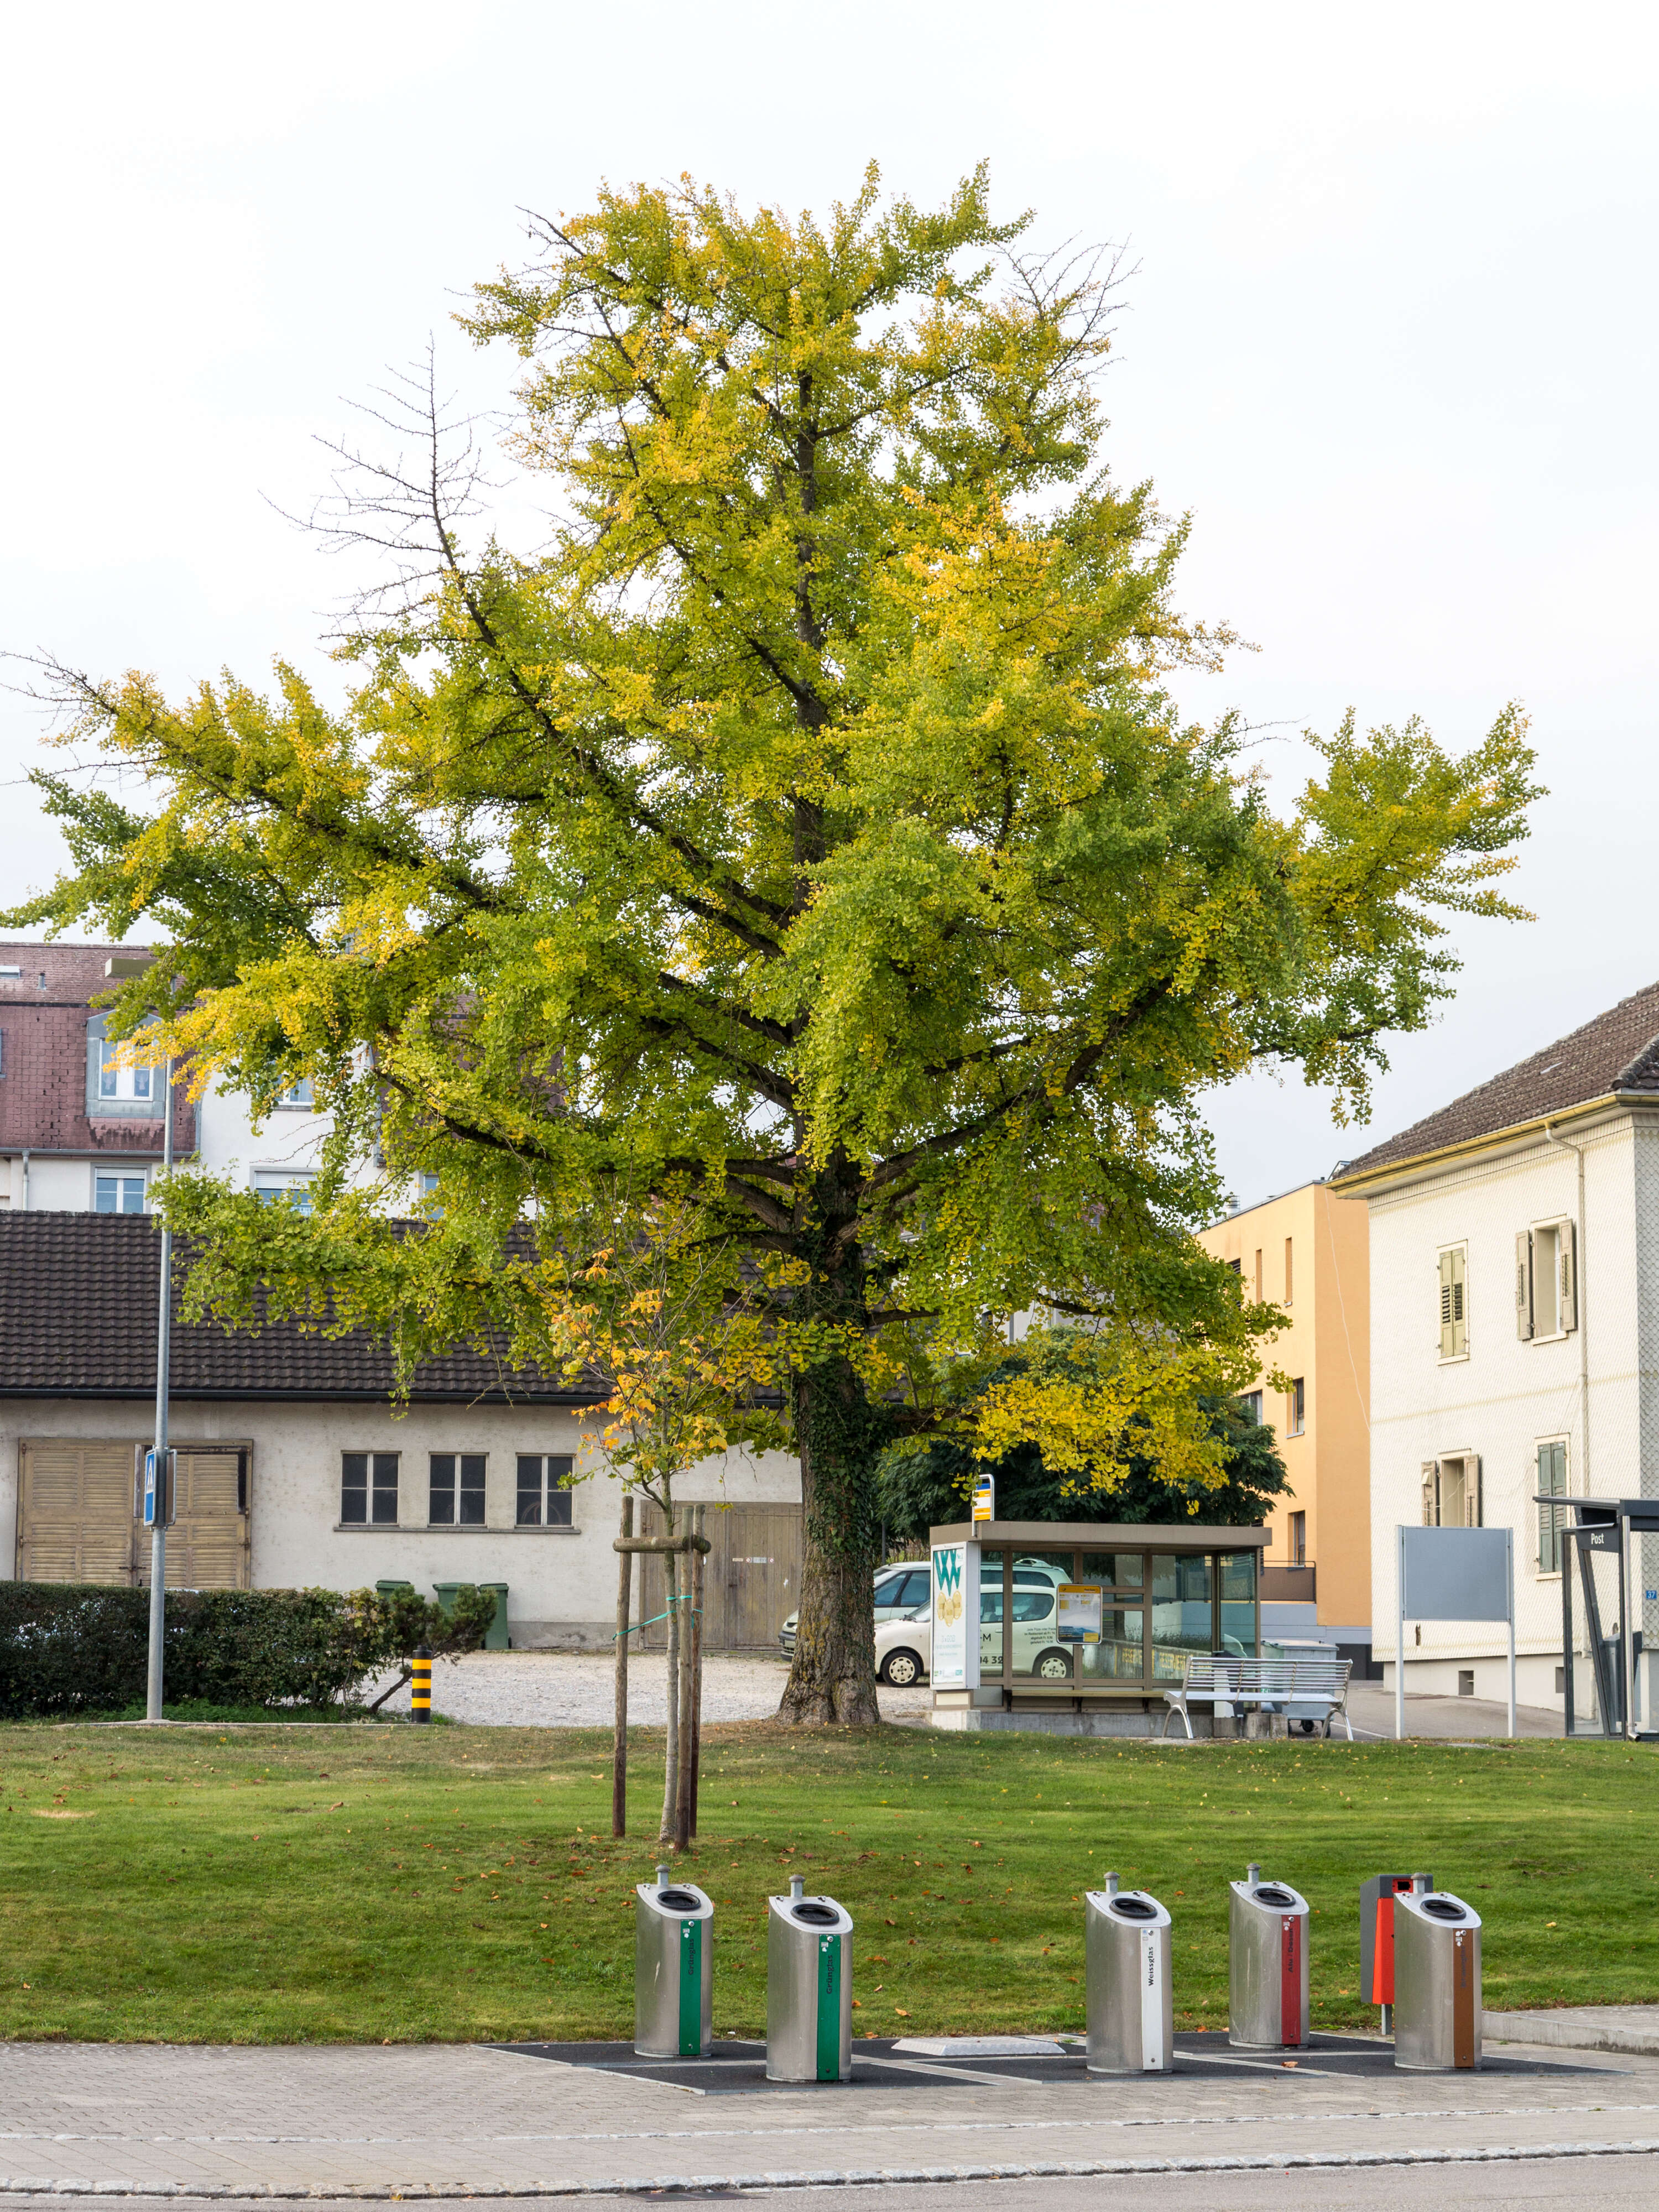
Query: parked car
{"points": [[900, 1587], [904, 1646]]}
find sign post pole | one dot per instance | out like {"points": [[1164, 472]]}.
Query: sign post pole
{"points": [[1510, 1547], [158, 1537], [1399, 1635]]}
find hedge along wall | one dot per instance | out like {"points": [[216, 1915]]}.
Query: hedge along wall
{"points": [[69, 1648]]}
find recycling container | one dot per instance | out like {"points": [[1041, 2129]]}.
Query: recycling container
{"points": [[386, 1588], [1125, 1950], [1266, 1965], [809, 1988], [1377, 1898], [674, 1969], [1437, 1981]]}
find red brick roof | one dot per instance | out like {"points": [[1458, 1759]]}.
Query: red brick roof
{"points": [[78, 1295], [1617, 1051]]}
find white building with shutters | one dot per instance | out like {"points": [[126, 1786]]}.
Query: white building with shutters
{"points": [[1515, 1331]]}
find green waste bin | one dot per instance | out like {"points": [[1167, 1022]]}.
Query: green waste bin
{"points": [[385, 1589], [496, 1638]]}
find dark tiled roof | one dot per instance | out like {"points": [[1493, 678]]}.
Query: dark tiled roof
{"points": [[78, 1295], [1617, 1051]]}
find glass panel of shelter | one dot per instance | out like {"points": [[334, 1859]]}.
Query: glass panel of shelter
{"points": [[1082, 1617]]}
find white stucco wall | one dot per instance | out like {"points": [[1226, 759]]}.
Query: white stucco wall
{"points": [[1508, 1396], [561, 1583]]}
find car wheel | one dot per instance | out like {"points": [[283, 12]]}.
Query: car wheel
{"points": [[1054, 1667], [900, 1669]]}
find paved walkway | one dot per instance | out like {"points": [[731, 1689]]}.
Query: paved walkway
{"points": [[1460, 1720], [577, 1689], [243, 2123]]}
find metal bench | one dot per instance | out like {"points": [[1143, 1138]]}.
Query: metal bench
{"points": [[1310, 1690]]}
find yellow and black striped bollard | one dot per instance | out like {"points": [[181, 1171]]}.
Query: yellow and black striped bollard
{"points": [[420, 1685]]}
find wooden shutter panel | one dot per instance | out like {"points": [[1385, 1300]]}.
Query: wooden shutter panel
{"points": [[1448, 1334], [1431, 1493], [1566, 1268], [1523, 1283], [1473, 1516], [207, 1544], [74, 1512], [1459, 1304]]}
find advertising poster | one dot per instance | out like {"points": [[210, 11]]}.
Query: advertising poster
{"points": [[956, 1617], [1080, 1613]]}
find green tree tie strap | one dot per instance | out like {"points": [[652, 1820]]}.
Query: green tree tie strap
{"points": [[828, 2009], [691, 1989]]}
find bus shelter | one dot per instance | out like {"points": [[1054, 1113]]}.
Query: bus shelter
{"points": [[1607, 1531], [1085, 1615]]}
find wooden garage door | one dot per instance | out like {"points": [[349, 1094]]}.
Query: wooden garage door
{"points": [[751, 1581], [208, 1542], [74, 1512]]}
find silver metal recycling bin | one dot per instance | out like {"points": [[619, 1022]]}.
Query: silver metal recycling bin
{"points": [[674, 1969], [1266, 1965], [809, 1988], [1126, 1952], [1437, 1981]]}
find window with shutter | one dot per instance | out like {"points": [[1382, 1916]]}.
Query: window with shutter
{"points": [[1523, 1283], [1448, 1340], [1453, 1311], [1552, 1483]]}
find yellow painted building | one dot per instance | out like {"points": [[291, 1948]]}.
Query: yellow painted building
{"points": [[1309, 1252]]}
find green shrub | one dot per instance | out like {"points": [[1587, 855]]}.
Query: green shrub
{"points": [[66, 1648]]}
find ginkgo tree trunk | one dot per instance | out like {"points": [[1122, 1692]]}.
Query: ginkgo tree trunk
{"points": [[807, 829]]}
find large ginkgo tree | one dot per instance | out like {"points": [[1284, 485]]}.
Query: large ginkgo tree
{"points": [[805, 831]]}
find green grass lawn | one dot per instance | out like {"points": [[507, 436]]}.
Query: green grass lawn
{"points": [[277, 1885]]}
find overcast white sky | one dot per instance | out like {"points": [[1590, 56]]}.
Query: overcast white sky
{"points": [[1393, 343]]}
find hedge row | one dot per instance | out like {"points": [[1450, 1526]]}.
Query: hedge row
{"points": [[69, 1648]]}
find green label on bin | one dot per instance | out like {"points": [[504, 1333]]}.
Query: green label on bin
{"points": [[691, 1989], [829, 2007]]}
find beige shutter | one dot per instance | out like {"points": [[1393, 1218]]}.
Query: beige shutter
{"points": [[208, 1542], [1431, 1493], [1459, 1306], [1523, 1283], [1472, 1517], [74, 1512], [1448, 1334], [1566, 1288]]}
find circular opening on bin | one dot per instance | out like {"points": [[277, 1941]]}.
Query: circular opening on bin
{"points": [[1444, 1908], [1135, 1908], [677, 1900], [1271, 1893], [815, 1915]]}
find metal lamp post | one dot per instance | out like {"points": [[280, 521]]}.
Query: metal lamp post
{"points": [[163, 1488]]}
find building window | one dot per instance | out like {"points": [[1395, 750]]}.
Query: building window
{"points": [[1258, 1275], [1296, 1405], [368, 1489], [1289, 1278], [1451, 1491], [298, 1096], [116, 1081], [457, 1502], [1454, 1305], [290, 1185], [1298, 1540], [543, 1501], [1250, 1402], [117, 1193], [1552, 1483], [1546, 1280]]}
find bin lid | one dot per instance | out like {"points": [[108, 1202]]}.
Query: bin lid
{"points": [[1439, 1908], [1271, 1896], [678, 1900], [1135, 1908], [814, 1916]]}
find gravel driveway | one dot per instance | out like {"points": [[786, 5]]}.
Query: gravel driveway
{"points": [[576, 1689]]}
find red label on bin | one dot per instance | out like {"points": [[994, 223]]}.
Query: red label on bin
{"points": [[1290, 1986]]}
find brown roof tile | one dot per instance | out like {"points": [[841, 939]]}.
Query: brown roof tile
{"points": [[78, 1295], [1617, 1051]]}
